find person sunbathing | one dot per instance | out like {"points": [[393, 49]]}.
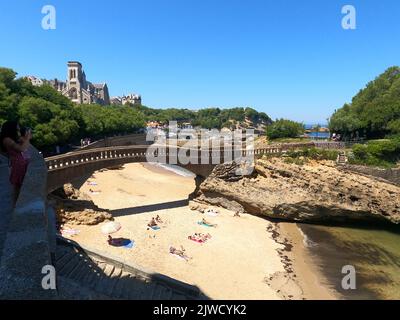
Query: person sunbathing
{"points": [[200, 237], [204, 221], [152, 223], [205, 237], [196, 238], [158, 219], [118, 242], [179, 253]]}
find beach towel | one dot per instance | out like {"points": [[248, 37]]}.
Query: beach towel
{"points": [[206, 225], [124, 243], [178, 256], [211, 212], [92, 183], [129, 245], [196, 240], [155, 228]]}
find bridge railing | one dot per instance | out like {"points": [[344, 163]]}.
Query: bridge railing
{"points": [[141, 153], [93, 155]]}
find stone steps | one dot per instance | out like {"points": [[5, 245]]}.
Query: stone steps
{"points": [[105, 280], [342, 158]]}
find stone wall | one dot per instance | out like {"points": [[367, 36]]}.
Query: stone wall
{"points": [[26, 248], [391, 175]]}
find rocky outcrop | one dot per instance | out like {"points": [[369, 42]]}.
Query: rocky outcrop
{"points": [[313, 192], [76, 208]]}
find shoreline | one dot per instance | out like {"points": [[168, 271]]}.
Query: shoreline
{"points": [[311, 279], [224, 268]]}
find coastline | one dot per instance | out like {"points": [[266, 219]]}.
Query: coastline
{"points": [[310, 277], [224, 268]]}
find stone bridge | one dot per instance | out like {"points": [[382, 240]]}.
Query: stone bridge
{"points": [[68, 167]]}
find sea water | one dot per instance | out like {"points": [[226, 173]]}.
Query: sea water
{"points": [[374, 253]]}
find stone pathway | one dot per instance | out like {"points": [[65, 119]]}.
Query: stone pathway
{"points": [[5, 201]]}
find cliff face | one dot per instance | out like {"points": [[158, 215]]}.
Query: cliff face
{"points": [[76, 208], [314, 192]]}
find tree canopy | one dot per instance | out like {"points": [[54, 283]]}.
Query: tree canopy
{"points": [[284, 128], [375, 111], [55, 120]]}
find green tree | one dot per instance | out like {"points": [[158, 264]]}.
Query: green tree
{"points": [[285, 129], [374, 111]]}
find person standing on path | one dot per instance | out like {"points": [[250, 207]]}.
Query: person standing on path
{"points": [[15, 146]]}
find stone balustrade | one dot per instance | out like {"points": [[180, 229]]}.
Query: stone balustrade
{"points": [[26, 247], [140, 153]]}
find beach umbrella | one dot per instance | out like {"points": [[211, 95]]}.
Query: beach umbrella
{"points": [[111, 227]]}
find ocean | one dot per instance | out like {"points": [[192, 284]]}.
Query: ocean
{"points": [[373, 251]]}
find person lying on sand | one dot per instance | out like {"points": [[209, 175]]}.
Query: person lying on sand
{"points": [[120, 242], [200, 237], [203, 236], [94, 191], [179, 253], [204, 221]]}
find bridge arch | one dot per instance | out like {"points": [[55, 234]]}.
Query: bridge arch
{"points": [[71, 166]]}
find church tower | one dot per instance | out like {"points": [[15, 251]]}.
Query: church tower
{"points": [[74, 82], [79, 90]]}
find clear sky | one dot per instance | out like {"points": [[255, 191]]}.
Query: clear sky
{"points": [[289, 58]]}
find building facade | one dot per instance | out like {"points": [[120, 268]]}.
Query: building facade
{"points": [[78, 89], [35, 81], [81, 91], [132, 98]]}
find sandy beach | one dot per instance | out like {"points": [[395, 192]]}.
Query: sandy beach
{"points": [[243, 259]]}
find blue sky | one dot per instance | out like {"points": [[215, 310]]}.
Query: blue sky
{"points": [[288, 58]]}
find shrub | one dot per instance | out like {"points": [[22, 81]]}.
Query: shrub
{"points": [[285, 129], [314, 153], [383, 153]]}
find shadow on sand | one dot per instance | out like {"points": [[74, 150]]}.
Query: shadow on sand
{"points": [[86, 274], [150, 208]]}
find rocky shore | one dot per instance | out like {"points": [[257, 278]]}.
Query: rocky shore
{"points": [[316, 191], [74, 207]]}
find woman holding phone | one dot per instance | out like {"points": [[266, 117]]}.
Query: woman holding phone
{"points": [[15, 144]]}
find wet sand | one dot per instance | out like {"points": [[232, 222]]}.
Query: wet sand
{"points": [[243, 259], [311, 279]]}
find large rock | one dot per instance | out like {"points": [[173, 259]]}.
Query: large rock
{"points": [[313, 192], [76, 208]]}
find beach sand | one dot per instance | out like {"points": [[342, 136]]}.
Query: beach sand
{"points": [[235, 264]]}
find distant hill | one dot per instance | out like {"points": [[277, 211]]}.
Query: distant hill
{"points": [[210, 118], [375, 111]]}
